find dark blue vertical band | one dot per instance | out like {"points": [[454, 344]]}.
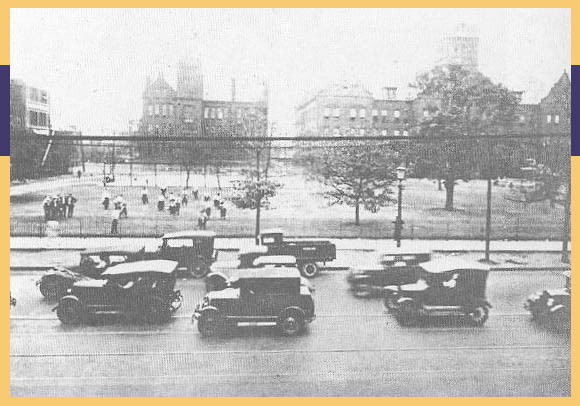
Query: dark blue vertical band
{"points": [[5, 110], [575, 105]]}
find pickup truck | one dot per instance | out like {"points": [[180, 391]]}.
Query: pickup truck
{"points": [[307, 253]]}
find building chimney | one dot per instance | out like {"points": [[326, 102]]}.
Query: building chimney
{"points": [[233, 90]]}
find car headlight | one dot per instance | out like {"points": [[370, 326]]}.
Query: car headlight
{"points": [[550, 302]]}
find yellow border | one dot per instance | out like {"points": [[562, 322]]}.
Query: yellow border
{"points": [[5, 217]]}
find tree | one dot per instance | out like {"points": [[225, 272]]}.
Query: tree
{"points": [[356, 174], [463, 106]]}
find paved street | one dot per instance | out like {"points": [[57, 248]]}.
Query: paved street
{"points": [[352, 349]]}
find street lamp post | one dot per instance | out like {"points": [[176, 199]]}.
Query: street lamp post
{"points": [[399, 220]]}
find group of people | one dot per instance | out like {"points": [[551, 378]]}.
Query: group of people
{"points": [[58, 207], [205, 213]]}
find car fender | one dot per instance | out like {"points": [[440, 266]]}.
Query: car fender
{"points": [[404, 299], [67, 297], [557, 308], [292, 309]]}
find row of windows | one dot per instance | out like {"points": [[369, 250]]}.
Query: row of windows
{"points": [[38, 118], [362, 113], [37, 95], [219, 113], [160, 109], [363, 132], [555, 117]]}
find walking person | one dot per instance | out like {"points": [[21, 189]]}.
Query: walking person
{"points": [[123, 208], [164, 191], [46, 208], [71, 201], [184, 194], [195, 193], [106, 199], [161, 203], [202, 220]]}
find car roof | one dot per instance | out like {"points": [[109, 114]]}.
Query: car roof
{"points": [[447, 264], [269, 273], [154, 266], [272, 231], [107, 250], [189, 234]]}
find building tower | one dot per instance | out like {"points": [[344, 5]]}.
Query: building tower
{"points": [[460, 47], [190, 80]]}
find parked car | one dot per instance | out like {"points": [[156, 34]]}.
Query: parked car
{"points": [[394, 269], [552, 306], [446, 286], [54, 283], [262, 295], [144, 289], [308, 254], [193, 250]]}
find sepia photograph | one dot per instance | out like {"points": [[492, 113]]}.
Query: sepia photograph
{"points": [[290, 202]]}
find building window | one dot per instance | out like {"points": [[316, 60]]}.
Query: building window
{"points": [[42, 119], [150, 127], [326, 112], [384, 113], [336, 113], [397, 133], [164, 109], [405, 133], [33, 94], [557, 119], [361, 132], [425, 113], [549, 118], [43, 97], [352, 114], [362, 113], [33, 118], [336, 132], [150, 108], [171, 109], [522, 118], [239, 113], [212, 113], [157, 109], [384, 133], [397, 114], [375, 113], [220, 114], [326, 132]]}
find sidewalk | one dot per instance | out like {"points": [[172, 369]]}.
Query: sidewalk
{"points": [[234, 244]]}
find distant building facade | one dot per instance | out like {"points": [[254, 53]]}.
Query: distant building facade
{"points": [[29, 108], [185, 112], [349, 109]]}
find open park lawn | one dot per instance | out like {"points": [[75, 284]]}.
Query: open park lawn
{"points": [[300, 209]]}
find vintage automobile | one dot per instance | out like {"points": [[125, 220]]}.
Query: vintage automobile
{"points": [[447, 286], [308, 254], [553, 306], [55, 282], [394, 269], [144, 289], [193, 250], [273, 296], [223, 272]]}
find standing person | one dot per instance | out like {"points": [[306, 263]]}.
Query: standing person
{"points": [[216, 200], [208, 210], [177, 207], [161, 203], [115, 221], [60, 206], [123, 208], [164, 191], [202, 220], [184, 194], [144, 196], [46, 208], [106, 199], [172, 207], [53, 208], [222, 210], [71, 201], [195, 193]]}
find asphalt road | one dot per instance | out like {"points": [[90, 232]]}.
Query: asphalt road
{"points": [[352, 349]]}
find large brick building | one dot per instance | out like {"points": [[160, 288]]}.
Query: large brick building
{"points": [[29, 108], [350, 109], [185, 112]]}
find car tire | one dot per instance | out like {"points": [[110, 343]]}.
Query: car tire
{"points": [[408, 314], [156, 311], [390, 302], [477, 316], [70, 311], [52, 289], [291, 322], [309, 269], [211, 323], [198, 269]]}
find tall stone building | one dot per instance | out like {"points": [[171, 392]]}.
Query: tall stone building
{"points": [[459, 47], [29, 108], [185, 112]]}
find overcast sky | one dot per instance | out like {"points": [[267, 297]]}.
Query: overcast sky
{"points": [[94, 63]]}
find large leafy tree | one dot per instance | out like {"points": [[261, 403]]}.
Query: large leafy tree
{"points": [[355, 174], [464, 106]]}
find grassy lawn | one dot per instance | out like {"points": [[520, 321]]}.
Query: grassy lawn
{"points": [[301, 210]]}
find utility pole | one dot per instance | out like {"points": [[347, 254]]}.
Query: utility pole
{"points": [[488, 211], [566, 229]]}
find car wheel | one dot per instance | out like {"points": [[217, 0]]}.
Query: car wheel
{"points": [[361, 291], [477, 316], [70, 311], [408, 314], [291, 322], [52, 289], [390, 302], [156, 311], [198, 269], [211, 323], [309, 269]]}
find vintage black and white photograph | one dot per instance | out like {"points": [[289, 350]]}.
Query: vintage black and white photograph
{"points": [[290, 202]]}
